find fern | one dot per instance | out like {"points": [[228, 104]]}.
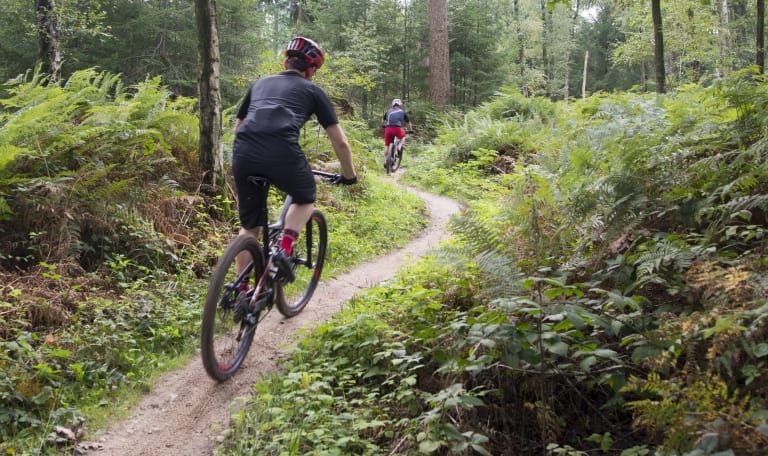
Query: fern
{"points": [[663, 260], [80, 155]]}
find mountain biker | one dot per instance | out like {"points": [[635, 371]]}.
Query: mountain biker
{"points": [[266, 144], [393, 126]]}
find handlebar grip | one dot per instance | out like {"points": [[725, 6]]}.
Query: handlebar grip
{"points": [[336, 179], [341, 180]]}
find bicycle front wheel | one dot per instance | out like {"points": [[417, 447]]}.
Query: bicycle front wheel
{"points": [[308, 257], [226, 333]]}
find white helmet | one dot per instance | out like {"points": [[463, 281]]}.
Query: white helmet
{"points": [[397, 101]]}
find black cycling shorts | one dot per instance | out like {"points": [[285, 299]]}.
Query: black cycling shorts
{"points": [[292, 176]]}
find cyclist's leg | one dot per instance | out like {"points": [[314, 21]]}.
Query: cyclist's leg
{"points": [[386, 144], [298, 181], [242, 260], [401, 135], [296, 218], [388, 138], [251, 203]]}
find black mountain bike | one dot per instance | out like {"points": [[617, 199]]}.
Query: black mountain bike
{"points": [[231, 315]]}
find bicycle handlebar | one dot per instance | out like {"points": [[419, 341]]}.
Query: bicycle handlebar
{"points": [[325, 175], [333, 178]]}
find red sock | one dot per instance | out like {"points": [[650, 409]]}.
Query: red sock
{"points": [[286, 243]]}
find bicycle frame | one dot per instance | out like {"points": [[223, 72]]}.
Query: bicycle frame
{"points": [[237, 300], [270, 235]]}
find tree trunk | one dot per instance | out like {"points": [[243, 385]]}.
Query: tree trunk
{"points": [[725, 40], [545, 26], [48, 53], [572, 35], [760, 36], [584, 78], [658, 46], [521, 51], [208, 60], [439, 66]]}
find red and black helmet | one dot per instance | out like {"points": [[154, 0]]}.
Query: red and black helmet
{"points": [[311, 51]]}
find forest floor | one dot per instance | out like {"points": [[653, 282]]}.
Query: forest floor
{"points": [[186, 411]]}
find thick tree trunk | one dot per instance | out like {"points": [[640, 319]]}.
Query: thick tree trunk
{"points": [[211, 151], [658, 46], [48, 52], [760, 36], [439, 66]]}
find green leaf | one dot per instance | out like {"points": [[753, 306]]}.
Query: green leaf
{"points": [[59, 353], [760, 349], [587, 363], [606, 353], [472, 401], [429, 446], [558, 348], [644, 352], [450, 431]]}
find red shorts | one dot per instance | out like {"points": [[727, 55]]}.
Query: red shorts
{"points": [[391, 132]]}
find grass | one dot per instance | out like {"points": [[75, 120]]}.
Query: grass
{"points": [[97, 361]]}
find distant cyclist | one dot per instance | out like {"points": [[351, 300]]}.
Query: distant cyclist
{"points": [[267, 130], [392, 122]]}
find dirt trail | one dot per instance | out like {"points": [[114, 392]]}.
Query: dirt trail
{"points": [[186, 410]]}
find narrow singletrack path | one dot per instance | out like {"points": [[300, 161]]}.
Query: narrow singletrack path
{"points": [[186, 410]]}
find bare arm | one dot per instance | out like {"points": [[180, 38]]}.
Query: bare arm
{"points": [[237, 124], [342, 150]]}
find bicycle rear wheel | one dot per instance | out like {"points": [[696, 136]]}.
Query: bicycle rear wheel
{"points": [[396, 157], [228, 323], [309, 257], [391, 160]]}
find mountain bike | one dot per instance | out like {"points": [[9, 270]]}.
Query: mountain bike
{"points": [[237, 302], [395, 154]]}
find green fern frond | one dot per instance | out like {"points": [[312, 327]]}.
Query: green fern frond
{"points": [[745, 203], [664, 259], [480, 228], [83, 148]]}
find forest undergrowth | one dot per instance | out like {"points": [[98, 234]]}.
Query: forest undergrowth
{"points": [[605, 293], [108, 238]]}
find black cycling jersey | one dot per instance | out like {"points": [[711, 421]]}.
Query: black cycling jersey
{"points": [[276, 107], [267, 142]]}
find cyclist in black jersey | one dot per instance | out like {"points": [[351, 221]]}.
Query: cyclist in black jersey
{"points": [[266, 144]]}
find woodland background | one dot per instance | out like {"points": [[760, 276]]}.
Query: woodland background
{"points": [[605, 292], [380, 48]]}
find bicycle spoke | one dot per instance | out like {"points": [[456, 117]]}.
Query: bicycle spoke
{"points": [[308, 257]]}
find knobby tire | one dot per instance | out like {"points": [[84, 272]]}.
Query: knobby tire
{"points": [[309, 257], [396, 157], [225, 335]]}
